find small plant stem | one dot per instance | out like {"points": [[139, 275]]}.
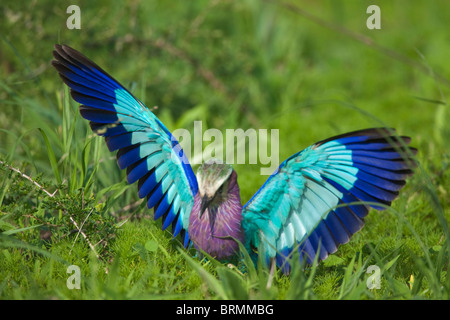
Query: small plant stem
{"points": [[52, 195]]}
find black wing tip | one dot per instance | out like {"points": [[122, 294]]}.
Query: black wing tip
{"points": [[379, 133], [66, 54], [64, 49], [68, 59], [60, 54]]}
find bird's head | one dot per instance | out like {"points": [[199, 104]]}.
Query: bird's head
{"points": [[214, 182]]}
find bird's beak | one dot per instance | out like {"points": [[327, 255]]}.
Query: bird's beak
{"points": [[206, 201]]}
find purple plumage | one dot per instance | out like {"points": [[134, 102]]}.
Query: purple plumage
{"points": [[215, 220]]}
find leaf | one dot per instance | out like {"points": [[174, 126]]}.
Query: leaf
{"points": [[209, 279], [151, 245], [141, 250], [388, 265], [346, 279], [13, 231], [187, 118], [436, 248], [11, 242], [433, 101], [333, 261], [4, 224], [249, 264], [51, 157], [232, 284]]}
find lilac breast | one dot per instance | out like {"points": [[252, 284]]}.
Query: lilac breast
{"points": [[227, 224]]}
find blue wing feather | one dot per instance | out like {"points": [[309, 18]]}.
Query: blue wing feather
{"points": [[129, 138], [318, 197], [145, 146], [147, 183]]}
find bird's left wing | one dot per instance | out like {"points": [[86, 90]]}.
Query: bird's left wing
{"points": [[314, 199], [145, 147]]}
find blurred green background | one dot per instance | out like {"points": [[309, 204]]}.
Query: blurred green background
{"points": [[239, 64], [311, 69]]}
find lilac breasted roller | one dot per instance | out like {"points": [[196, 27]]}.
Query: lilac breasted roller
{"points": [[315, 201]]}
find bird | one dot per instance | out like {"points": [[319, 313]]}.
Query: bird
{"points": [[313, 203]]}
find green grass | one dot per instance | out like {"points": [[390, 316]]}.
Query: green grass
{"points": [[245, 64]]}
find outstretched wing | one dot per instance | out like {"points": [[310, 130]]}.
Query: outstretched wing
{"points": [[145, 147], [315, 197]]}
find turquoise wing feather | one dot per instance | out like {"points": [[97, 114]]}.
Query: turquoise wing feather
{"points": [[318, 198], [149, 152]]}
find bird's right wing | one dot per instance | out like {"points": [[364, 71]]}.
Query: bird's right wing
{"points": [[314, 200], [145, 147]]}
